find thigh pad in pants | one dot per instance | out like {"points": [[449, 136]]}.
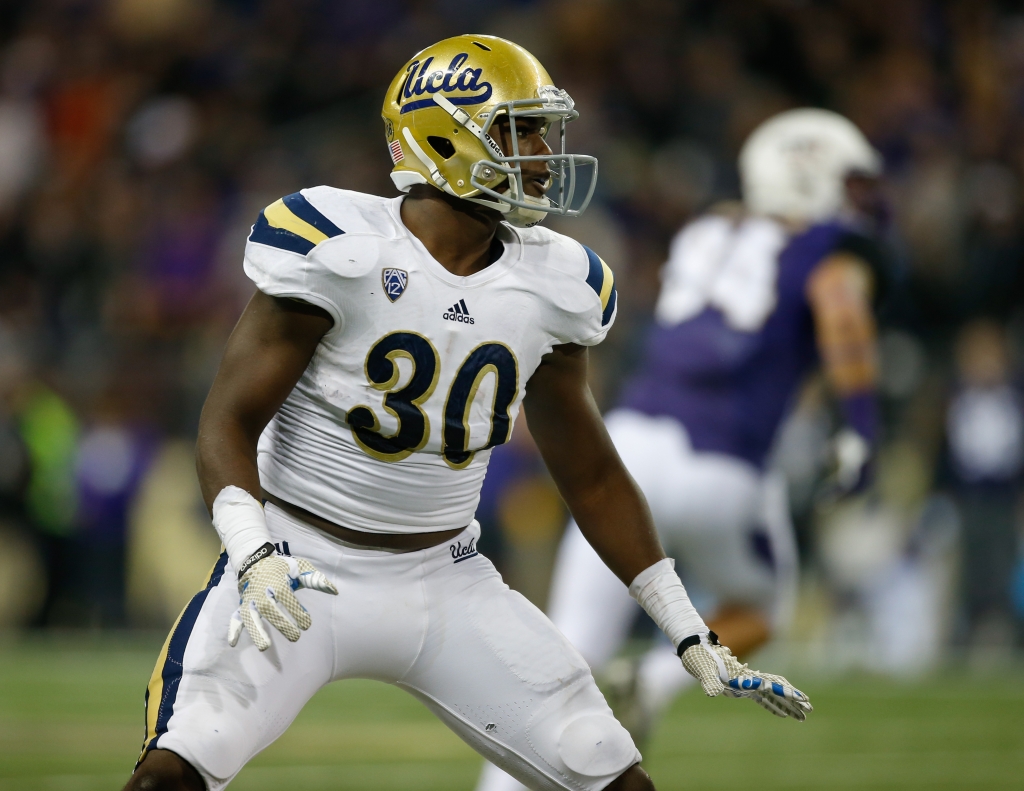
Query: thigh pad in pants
{"points": [[498, 672]]}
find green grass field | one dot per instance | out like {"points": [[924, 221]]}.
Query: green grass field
{"points": [[71, 720]]}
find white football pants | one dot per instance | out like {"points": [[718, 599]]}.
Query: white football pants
{"points": [[726, 524], [439, 623]]}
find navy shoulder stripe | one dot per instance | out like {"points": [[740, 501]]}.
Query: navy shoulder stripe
{"points": [[264, 233], [305, 210], [601, 279], [606, 316], [294, 224], [595, 278]]}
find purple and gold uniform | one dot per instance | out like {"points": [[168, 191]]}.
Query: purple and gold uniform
{"points": [[729, 378]]}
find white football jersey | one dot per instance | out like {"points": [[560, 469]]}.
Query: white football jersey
{"points": [[391, 425]]}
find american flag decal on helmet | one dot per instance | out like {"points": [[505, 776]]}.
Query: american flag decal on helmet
{"points": [[396, 151]]}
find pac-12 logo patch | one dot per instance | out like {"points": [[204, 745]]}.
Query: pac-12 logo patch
{"points": [[394, 281]]}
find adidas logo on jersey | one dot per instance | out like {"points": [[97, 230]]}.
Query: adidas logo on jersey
{"points": [[458, 312]]}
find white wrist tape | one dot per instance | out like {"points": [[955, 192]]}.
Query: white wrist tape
{"points": [[660, 592], [239, 521]]}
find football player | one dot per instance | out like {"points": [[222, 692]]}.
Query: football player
{"points": [[753, 298], [343, 444]]}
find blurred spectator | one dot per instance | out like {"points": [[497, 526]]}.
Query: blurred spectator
{"points": [[168, 519], [49, 432], [111, 461], [985, 429], [23, 578]]}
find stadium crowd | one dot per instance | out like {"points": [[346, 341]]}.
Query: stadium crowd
{"points": [[139, 139]]}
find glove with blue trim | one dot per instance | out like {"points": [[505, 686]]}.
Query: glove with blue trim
{"points": [[718, 671], [267, 585]]}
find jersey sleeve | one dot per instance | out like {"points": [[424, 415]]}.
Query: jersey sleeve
{"points": [[599, 315], [277, 254]]}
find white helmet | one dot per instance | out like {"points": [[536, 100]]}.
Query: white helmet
{"points": [[795, 164]]}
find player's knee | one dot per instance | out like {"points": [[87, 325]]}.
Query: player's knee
{"points": [[633, 779], [162, 770], [595, 745]]}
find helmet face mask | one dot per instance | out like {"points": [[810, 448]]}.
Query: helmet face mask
{"points": [[448, 138], [553, 107]]}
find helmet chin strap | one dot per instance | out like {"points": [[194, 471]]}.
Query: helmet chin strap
{"points": [[513, 215], [526, 218], [518, 216]]}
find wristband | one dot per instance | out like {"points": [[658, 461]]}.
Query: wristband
{"points": [[660, 592], [693, 640], [264, 551], [240, 523], [860, 412]]}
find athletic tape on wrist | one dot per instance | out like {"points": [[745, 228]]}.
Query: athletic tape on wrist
{"points": [[239, 521], [660, 592]]}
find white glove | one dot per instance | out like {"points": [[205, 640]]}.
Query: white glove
{"points": [[718, 671], [267, 583], [851, 452], [848, 466]]}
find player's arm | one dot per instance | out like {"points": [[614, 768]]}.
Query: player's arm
{"points": [[266, 354], [603, 498], [839, 292], [613, 516]]}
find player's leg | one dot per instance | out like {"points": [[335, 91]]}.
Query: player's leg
{"points": [[162, 770], [749, 562], [497, 672], [710, 521], [727, 528], [743, 555], [633, 779], [494, 779], [211, 707], [588, 603]]}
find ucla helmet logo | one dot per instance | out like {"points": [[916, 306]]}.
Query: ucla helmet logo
{"points": [[439, 112], [461, 84], [394, 282]]}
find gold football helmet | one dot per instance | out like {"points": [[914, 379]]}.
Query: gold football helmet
{"points": [[438, 114]]}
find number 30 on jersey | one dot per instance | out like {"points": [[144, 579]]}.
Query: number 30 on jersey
{"points": [[406, 403]]}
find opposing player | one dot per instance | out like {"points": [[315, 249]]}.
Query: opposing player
{"points": [[388, 348], [752, 300]]}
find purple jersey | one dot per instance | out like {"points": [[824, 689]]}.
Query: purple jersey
{"points": [[734, 334]]}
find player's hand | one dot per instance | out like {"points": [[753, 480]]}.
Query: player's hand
{"points": [[851, 463], [718, 671], [267, 589]]}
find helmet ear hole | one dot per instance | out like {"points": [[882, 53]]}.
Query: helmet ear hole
{"points": [[442, 145]]}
